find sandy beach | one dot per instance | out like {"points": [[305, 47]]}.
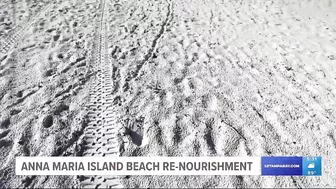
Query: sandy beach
{"points": [[167, 78]]}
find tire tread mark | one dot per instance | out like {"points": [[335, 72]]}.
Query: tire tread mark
{"points": [[100, 138]]}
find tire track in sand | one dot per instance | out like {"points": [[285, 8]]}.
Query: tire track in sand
{"points": [[100, 136], [17, 33]]}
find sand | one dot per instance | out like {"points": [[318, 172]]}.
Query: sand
{"points": [[167, 78]]}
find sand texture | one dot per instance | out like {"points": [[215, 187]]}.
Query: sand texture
{"points": [[167, 78]]}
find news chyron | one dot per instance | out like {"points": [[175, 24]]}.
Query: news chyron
{"points": [[264, 166], [291, 166]]}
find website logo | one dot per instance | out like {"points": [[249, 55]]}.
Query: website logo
{"points": [[281, 165]]}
